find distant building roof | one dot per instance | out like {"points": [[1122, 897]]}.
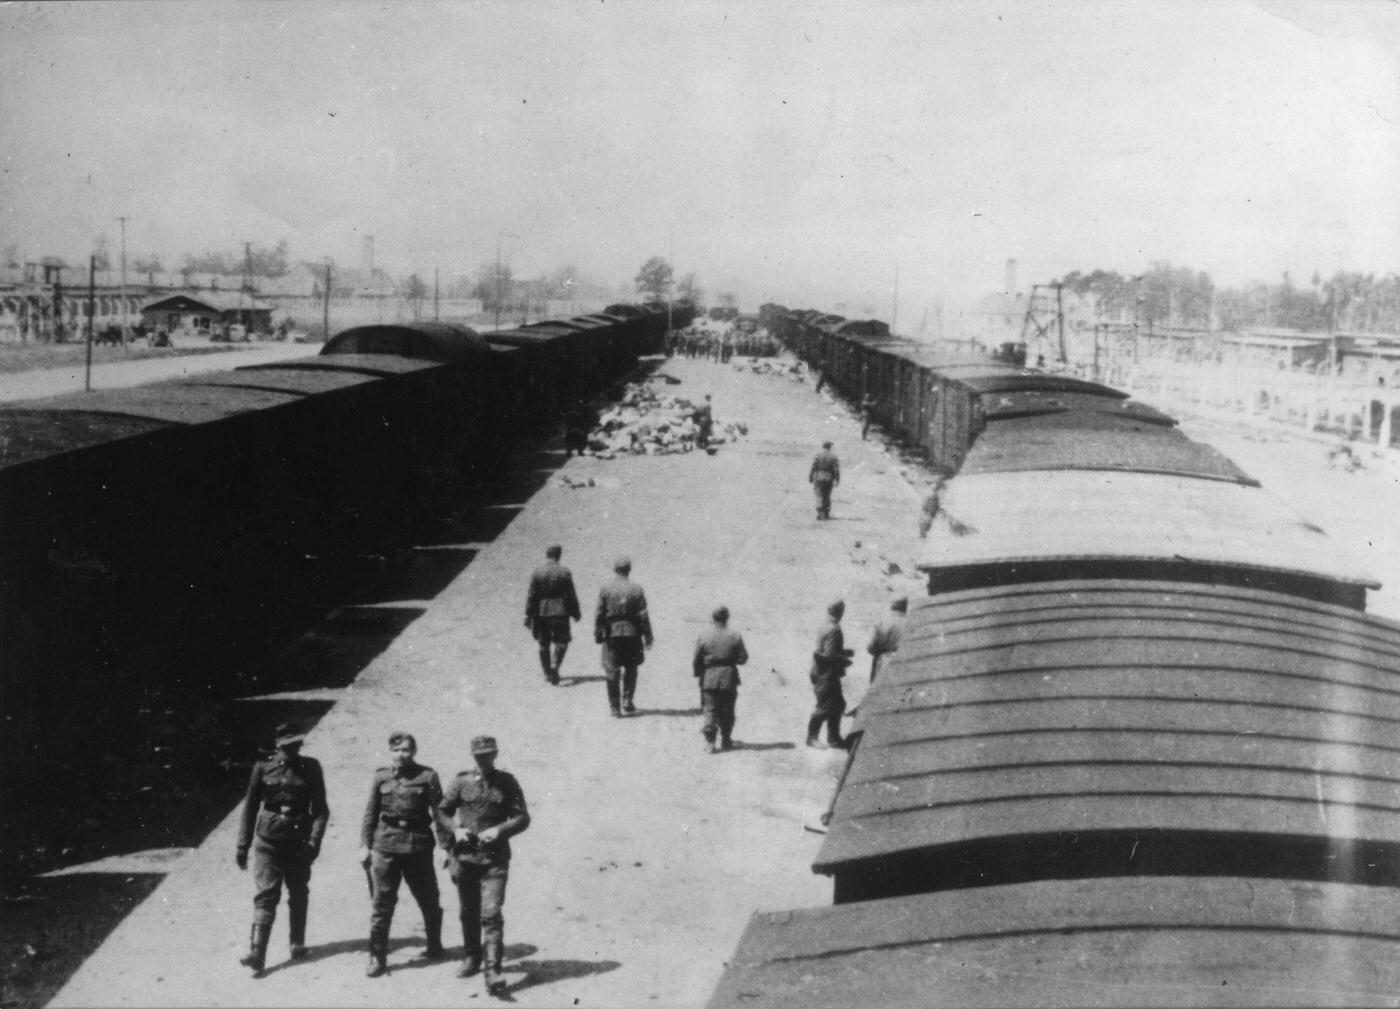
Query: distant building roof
{"points": [[215, 301]]}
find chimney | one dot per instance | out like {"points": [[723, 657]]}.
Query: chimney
{"points": [[1011, 276]]}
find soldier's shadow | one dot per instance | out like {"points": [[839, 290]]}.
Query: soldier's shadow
{"points": [[573, 681], [538, 972], [669, 712], [326, 950], [738, 745]]}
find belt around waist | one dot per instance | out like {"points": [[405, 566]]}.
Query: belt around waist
{"points": [[282, 810], [404, 822]]}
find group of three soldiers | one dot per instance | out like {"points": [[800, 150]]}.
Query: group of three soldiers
{"points": [[622, 626], [407, 816]]}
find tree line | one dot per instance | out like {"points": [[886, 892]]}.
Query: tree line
{"points": [[1165, 295]]}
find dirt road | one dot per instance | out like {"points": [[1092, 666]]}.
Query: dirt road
{"points": [[120, 374], [646, 855]]}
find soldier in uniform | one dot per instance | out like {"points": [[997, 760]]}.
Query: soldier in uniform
{"points": [[885, 638], [284, 819], [482, 809], [704, 422], [396, 839], [867, 414], [549, 606], [829, 661], [719, 653], [623, 627], [824, 475], [928, 511]]}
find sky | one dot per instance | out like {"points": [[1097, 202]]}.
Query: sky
{"points": [[886, 156]]}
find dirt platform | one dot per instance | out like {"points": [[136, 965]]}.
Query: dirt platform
{"points": [[646, 855]]}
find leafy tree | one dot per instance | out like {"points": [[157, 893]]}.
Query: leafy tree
{"points": [[654, 280], [147, 264], [494, 286], [689, 289], [415, 291], [102, 253]]}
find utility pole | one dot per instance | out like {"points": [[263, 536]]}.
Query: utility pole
{"points": [[326, 305], [498, 280], [894, 313], [92, 312], [245, 295], [125, 321]]}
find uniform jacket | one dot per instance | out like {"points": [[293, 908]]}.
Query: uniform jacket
{"points": [[719, 653], [831, 656], [552, 592], [285, 801], [476, 802], [402, 810], [622, 611], [825, 468]]}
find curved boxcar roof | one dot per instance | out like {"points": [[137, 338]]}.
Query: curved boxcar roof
{"points": [[1039, 402], [369, 365], [183, 401], [990, 377], [1093, 942], [1093, 727], [431, 341], [30, 433], [1094, 440], [534, 337], [1086, 516]]}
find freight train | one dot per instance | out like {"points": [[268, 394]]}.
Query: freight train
{"points": [[1138, 744], [126, 515]]}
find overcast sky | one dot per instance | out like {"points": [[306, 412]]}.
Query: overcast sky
{"points": [[799, 152]]}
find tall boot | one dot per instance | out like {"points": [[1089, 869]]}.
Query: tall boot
{"points": [[432, 924], [814, 725], [629, 687], [495, 980], [545, 665], [471, 948], [614, 702], [378, 952], [560, 648], [256, 957], [296, 922]]}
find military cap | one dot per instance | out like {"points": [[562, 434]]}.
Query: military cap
{"points": [[720, 615], [826, 444], [623, 563], [555, 551], [484, 744], [837, 608], [901, 604], [289, 732]]}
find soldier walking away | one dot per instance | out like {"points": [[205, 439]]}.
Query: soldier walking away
{"points": [[824, 475], [829, 661], [867, 414], [396, 839], [704, 422], [623, 628], [482, 809], [549, 606], [885, 638], [928, 511], [719, 653], [284, 819]]}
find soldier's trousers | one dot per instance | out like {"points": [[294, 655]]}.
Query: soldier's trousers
{"points": [[481, 893], [822, 489], [717, 709], [830, 706], [416, 869], [276, 863]]}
